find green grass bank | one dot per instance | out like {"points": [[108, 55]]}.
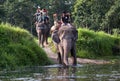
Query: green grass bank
{"points": [[19, 48], [91, 44]]}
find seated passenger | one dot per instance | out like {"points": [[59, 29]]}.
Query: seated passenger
{"points": [[65, 19]]}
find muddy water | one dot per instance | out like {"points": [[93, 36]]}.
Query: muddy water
{"points": [[83, 72]]}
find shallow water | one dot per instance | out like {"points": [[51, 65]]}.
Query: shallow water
{"points": [[84, 72]]}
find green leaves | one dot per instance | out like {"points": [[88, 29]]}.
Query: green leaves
{"points": [[97, 14]]}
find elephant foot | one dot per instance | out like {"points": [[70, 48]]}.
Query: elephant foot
{"points": [[66, 64], [74, 64], [74, 61]]}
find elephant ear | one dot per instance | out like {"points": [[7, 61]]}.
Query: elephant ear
{"points": [[55, 37]]}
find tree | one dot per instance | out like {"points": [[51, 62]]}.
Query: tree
{"points": [[112, 18], [91, 13], [20, 12], [2, 13]]}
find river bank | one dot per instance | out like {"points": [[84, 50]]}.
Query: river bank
{"points": [[53, 58]]}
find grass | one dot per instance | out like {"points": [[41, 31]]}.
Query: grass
{"points": [[92, 44], [19, 48]]}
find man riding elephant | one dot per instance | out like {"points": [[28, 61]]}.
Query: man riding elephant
{"points": [[42, 27], [67, 35]]}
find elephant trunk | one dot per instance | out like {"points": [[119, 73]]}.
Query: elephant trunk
{"points": [[67, 46]]}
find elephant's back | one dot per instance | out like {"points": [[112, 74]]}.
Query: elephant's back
{"points": [[66, 32]]}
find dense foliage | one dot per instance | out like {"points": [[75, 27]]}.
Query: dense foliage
{"points": [[21, 12], [18, 48], [97, 14], [93, 14], [92, 44]]}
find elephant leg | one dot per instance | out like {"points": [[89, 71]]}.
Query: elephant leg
{"points": [[43, 37], [46, 39], [73, 54], [65, 58], [39, 37], [59, 58], [42, 40], [46, 36], [66, 48], [60, 55]]}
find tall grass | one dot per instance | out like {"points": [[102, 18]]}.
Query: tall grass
{"points": [[92, 44], [19, 48]]}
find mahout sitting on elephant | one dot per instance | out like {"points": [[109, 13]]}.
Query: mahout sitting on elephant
{"points": [[64, 37]]}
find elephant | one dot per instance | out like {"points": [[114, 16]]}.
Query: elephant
{"points": [[42, 29], [65, 39]]}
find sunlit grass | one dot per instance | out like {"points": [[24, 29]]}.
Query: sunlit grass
{"points": [[19, 48], [93, 44]]}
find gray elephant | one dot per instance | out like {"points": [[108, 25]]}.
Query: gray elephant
{"points": [[40, 28], [65, 39]]}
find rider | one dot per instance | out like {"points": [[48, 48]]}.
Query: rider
{"points": [[57, 23], [65, 19], [44, 12], [38, 8], [37, 14], [41, 15]]}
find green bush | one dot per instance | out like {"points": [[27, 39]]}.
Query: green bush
{"points": [[92, 44], [19, 48]]}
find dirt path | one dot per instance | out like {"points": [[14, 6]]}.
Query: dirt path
{"points": [[53, 58]]}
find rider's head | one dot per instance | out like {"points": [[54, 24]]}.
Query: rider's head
{"points": [[65, 19], [38, 7], [54, 15]]}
